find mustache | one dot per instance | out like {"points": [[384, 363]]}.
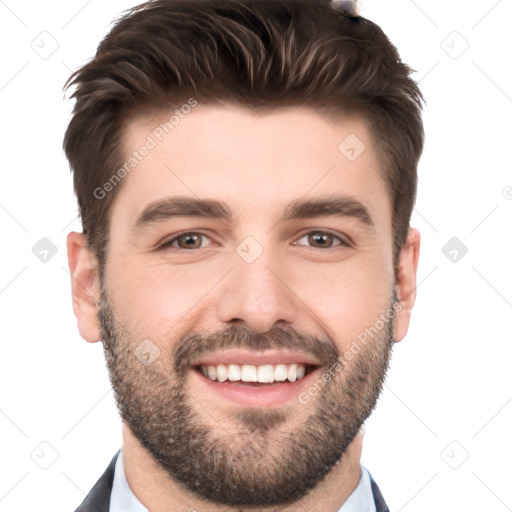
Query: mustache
{"points": [[192, 346]]}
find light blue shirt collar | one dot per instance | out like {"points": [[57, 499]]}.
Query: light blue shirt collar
{"points": [[122, 498]]}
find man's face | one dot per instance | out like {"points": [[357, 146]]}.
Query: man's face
{"points": [[249, 279]]}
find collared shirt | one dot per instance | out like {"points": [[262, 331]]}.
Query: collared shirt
{"points": [[122, 498]]}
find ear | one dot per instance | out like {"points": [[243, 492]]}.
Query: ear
{"points": [[85, 286], [406, 283]]}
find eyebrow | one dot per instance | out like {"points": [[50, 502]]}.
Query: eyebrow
{"points": [[337, 206], [184, 206], [171, 207]]}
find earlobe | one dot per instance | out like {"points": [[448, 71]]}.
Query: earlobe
{"points": [[406, 283], [85, 286]]}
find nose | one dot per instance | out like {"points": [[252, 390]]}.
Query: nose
{"points": [[257, 294]]}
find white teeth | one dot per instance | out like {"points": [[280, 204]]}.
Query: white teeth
{"points": [[265, 373], [222, 373], [234, 372], [280, 372], [249, 373], [292, 373]]}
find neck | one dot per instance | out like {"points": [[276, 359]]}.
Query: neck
{"points": [[158, 492]]}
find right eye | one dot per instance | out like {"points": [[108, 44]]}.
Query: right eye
{"points": [[188, 241]]}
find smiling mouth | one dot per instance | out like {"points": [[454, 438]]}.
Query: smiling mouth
{"points": [[256, 375]]}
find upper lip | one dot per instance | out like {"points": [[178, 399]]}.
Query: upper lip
{"points": [[241, 356]]}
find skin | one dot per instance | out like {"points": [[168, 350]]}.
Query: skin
{"points": [[333, 293]]}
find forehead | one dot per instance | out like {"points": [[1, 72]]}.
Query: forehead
{"points": [[250, 160]]}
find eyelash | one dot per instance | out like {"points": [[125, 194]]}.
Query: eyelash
{"points": [[168, 245]]}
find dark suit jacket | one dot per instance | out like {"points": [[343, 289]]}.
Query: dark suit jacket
{"points": [[98, 500]]}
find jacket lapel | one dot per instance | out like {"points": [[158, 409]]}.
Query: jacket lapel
{"points": [[380, 504], [98, 499]]}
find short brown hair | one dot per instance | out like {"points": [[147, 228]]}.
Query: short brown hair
{"points": [[256, 53]]}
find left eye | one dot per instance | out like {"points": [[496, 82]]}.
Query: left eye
{"points": [[321, 240]]}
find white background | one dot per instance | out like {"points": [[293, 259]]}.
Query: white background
{"points": [[449, 393]]}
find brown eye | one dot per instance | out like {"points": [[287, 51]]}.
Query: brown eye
{"points": [[189, 241], [186, 241], [321, 240]]}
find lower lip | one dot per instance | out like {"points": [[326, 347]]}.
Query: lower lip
{"points": [[256, 396]]}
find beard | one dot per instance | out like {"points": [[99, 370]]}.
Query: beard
{"points": [[261, 460]]}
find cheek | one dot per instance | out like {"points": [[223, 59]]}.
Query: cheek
{"points": [[347, 300], [156, 298]]}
